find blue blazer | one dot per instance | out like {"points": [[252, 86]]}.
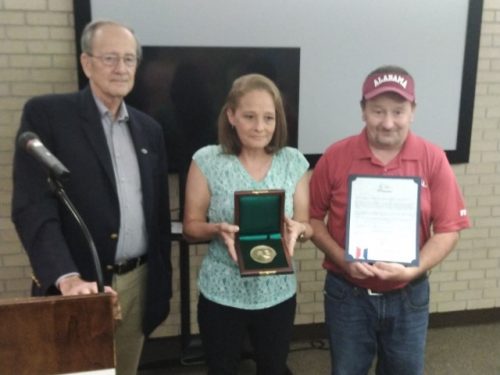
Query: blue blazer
{"points": [[69, 125]]}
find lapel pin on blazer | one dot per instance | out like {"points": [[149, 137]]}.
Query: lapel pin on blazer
{"points": [[144, 151]]}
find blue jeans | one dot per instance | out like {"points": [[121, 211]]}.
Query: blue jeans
{"points": [[391, 327]]}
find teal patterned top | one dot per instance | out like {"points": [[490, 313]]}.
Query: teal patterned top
{"points": [[219, 279]]}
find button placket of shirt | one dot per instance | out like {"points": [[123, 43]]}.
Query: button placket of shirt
{"points": [[117, 137]]}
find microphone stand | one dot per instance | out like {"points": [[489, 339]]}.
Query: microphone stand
{"points": [[58, 189]]}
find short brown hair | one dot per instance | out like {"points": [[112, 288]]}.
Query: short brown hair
{"points": [[228, 138]]}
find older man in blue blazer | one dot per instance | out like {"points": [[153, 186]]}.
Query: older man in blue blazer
{"points": [[118, 182]]}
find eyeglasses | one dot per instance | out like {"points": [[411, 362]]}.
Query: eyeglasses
{"points": [[111, 59]]}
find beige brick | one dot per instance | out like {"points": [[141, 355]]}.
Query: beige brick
{"points": [[10, 46], [4, 89], [479, 211], [30, 61], [452, 286], [306, 265], [62, 33], [483, 65], [493, 273], [483, 168], [490, 53], [11, 273], [468, 295], [488, 15], [31, 89], [454, 265], [482, 284], [495, 64], [53, 75], [319, 295], [484, 264], [480, 304], [61, 5], [478, 190], [493, 112], [65, 61], [487, 244], [319, 317], [440, 296], [490, 76], [432, 307], [304, 319], [51, 47], [486, 101], [15, 294], [15, 260], [488, 201], [11, 247], [482, 89], [311, 286], [27, 32], [491, 4], [491, 157], [301, 254], [475, 233], [470, 275], [492, 292], [310, 308], [4, 61], [495, 252], [8, 235], [47, 18], [11, 18], [493, 222], [306, 276], [11, 103], [472, 253], [468, 180], [305, 298], [437, 277], [17, 285], [25, 4], [494, 89], [490, 179], [451, 306]]}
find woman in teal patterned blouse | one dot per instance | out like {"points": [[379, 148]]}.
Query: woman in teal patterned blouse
{"points": [[251, 155]]}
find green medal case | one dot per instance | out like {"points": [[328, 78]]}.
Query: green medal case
{"points": [[260, 242]]}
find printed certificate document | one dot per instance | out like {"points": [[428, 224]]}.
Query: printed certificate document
{"points": [[383, 219]]}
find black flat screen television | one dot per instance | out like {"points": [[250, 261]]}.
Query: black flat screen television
{"points": [[184, 88]]}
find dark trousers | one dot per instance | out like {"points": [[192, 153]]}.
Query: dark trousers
{"points": [[223, 331]]}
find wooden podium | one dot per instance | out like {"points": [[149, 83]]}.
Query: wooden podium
{"points": [[57, 335]]}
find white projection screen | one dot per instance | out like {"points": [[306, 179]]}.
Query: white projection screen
{"points": [[335, 44]]}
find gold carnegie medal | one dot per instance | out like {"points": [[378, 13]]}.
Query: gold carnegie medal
{"points": [[263, 254]]}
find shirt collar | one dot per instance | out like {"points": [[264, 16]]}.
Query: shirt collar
{"points": [[104, 111]]}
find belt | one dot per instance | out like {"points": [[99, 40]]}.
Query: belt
{"points": [[373, 293], [127, 265]]}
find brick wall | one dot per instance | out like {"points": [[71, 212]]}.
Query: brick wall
{"points": [[37, 56]]}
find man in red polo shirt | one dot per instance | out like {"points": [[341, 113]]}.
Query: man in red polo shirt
{"points": [[381, 308]]}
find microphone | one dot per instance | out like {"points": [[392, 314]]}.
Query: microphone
{"points": [[30, 143]]}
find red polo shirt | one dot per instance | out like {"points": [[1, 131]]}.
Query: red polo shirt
{"points": [[441, 203]]}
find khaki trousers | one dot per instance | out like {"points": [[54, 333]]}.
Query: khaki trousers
{"points": [[129, 339]]}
